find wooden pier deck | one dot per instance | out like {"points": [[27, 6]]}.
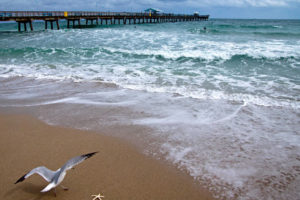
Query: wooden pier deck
{"points": [[53, 17]]}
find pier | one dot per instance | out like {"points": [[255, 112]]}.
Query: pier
{"points": [[24, 18]]}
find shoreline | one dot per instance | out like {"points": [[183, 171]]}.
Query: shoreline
{"points": [[118, 171]]}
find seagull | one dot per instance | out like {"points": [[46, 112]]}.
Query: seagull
{"points": [[54, 178]]}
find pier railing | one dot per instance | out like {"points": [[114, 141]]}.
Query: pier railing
{"points": [[7, 15]]}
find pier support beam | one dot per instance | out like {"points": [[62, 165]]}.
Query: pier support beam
{"points": [[51, 23], [57, 24], [91, 20], [24, 25], [31, 27]]}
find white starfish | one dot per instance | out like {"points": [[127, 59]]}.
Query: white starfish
{"points": [[97, 196]]}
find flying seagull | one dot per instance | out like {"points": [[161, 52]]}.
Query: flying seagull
{"points": [[56, 177]]}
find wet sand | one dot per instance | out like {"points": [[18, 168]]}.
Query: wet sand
{"points": [[118, 171]]}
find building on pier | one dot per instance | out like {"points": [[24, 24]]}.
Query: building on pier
{"points": [[152, 11]]}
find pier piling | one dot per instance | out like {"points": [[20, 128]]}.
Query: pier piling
{"points": [[31, 27], [24, 25], [57, 24], [51, 23]]}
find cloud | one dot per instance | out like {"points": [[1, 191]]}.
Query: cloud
{"points": [[234, 3], [245, 3]]}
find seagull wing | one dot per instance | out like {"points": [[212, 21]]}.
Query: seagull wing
{"points": [[44, 172], [76, 160]]}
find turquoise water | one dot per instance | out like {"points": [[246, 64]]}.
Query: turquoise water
{"points": [[222, 103], [253, 60], [233, 59]]}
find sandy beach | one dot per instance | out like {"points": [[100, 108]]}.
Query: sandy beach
{"points": [[118, 171]]}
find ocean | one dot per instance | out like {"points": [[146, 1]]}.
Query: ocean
{"points": [[221, 103]]}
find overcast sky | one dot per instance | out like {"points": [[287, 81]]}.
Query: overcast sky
{"points": [[280, 9]]}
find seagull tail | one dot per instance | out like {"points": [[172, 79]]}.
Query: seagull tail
{"points": [[48, 187], [21, 179], [88, 155]]}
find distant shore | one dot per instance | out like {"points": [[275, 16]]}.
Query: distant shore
{"points": [[118, 171]]}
